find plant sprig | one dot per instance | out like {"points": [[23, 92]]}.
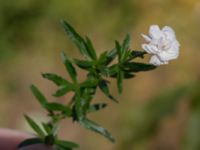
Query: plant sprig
{"points": [[117, 63]]}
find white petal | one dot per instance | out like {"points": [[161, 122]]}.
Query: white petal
{"points": [[168, 55], [156, 61], [155, 32], [176, 44], [151, 49], [147, 38], [169, 33]]}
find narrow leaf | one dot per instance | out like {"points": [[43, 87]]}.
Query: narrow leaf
{"points": [[125, 46], [107, 57], [137, 67], [47, 127], [104, 88], [91, 50], [39, 96], [89, 83], [135, 54], [84, 64], [63, 90], [29, 142], [119, 81], [34, 126], [118, 48], [57, 147], [96, 107], [75, 38], [58, 107], [58, 80], [66, 144], [128, 75], [70, 68], [96, 128]]}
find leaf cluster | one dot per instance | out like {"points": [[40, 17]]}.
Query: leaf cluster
{"points": [[117, 63]]}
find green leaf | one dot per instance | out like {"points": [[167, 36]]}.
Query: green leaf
{"points": [[49, 139], [119, 52], [135, 54], [63, 90], [119, 81], [91, 50], [104, 88], [75, 38], [34, 126], [70, 68], [57, 147], [78, 113], [66, 144], [89, 83], [47, 127], [110, 71], [84, 64], [96, 107], [29, 142], [128, 75], [96, 128], [39, 96], [110, 56], [58, 80], [137, 67], [125, 46], [58, 107], [107, 57]]}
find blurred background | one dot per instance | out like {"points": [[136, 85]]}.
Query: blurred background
{"points": [[158, 110]]}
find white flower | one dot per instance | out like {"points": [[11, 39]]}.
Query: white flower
{"points": [[162, 44]]}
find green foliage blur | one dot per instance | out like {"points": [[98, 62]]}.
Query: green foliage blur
{"points": [[31, 39]]}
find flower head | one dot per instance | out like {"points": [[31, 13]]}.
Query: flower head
{"points": [[162, 44]]}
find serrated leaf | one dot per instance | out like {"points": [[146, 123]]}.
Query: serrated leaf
{"points": [[137, 67], [91, 50], [75, 38], [84, 64], [34, 126], [96, 128], [58, 80], [96, 107], [70, 68], [104, 88], [29, 142], [58, 107], [66, 144], [39, 96], [119, 81]]}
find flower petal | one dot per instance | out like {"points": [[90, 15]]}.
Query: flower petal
{"points": [[151, 49], [155, 32], [169, 33], [147, 38], [156, 61], [168, 55]]}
